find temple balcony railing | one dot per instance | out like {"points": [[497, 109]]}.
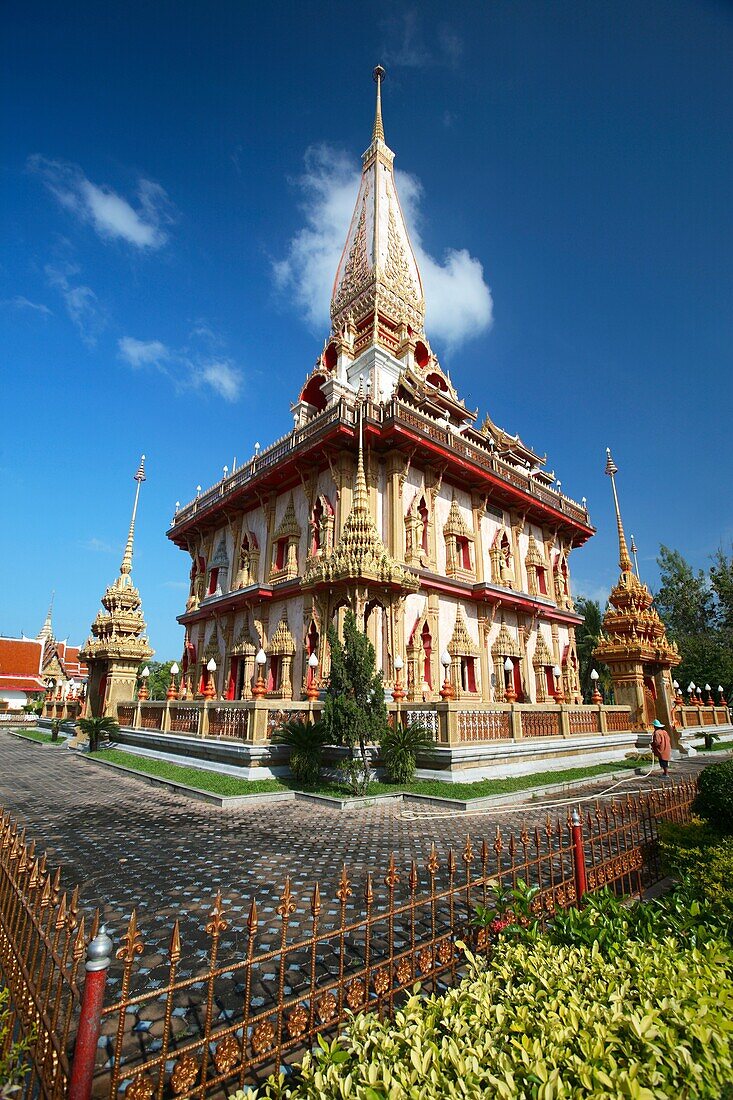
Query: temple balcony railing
{"points": [[448, 723], [394, 411], [65, 710], [701, 714]]}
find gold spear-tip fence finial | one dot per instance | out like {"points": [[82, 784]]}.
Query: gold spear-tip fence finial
{"points": [[378, 130]]}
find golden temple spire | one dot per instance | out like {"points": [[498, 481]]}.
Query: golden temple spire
{"points": [[47, 630], [126, 567], [378, 128], [624, 559]]}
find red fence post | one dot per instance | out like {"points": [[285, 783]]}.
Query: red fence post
{"points": [[581, 883], [90, 1019]]}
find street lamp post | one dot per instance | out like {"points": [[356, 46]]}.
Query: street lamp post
{"points": [[446, 692], [312, 689], [510, 693], [143, 693], [172, 692], [210, 685], [596, 698], [398, 692], [557, 673], [259, 691]]}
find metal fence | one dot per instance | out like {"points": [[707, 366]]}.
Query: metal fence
{"points": [[203, 1031], [42, 946]]}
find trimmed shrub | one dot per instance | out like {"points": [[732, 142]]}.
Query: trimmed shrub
{"points": [[715, 796], [543, 1021]]}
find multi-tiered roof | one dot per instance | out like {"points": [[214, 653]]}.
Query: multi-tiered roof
{"points": [[118, 632]]}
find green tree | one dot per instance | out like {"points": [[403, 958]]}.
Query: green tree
{"points": [[685, 599], [354, 713], [587, 637], [721, 580], [159, 679], [697, 609]]}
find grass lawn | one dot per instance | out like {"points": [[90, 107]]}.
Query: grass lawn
{"points": [[218, 783], [717, 746], [38, 735]]}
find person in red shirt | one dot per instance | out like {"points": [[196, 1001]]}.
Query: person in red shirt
{"points": [[661, 746]]}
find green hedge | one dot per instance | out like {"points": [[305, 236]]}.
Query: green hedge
{"points": [[546, 1022], [704, 857], [715, 796]]}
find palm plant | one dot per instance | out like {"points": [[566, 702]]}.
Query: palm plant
{"points": [[400, 747], [98, 730], [305, 740], [55, 727]]}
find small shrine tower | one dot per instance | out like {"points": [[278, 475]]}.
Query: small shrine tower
{"points": [[117, 644], [634, 642]]}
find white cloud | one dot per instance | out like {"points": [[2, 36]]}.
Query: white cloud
{"points": [[405, 43], [458, 299], [142, 353], [20, 302], [98, 546], [112, 216], [188, 367], [223, 377], [81, 302]]}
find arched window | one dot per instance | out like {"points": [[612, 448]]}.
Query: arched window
{"points": [[322, 520], [422, 355], [316, 525], [313, 394], [427, 649], [422, 509]]}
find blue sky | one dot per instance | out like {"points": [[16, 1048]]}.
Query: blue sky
{"points": [[174, 179]]}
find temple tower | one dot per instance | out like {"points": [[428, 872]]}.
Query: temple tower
{"points": [[634, 642], [117, 643]]}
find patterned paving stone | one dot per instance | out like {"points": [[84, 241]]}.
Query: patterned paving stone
{"points": [[131, 845]]}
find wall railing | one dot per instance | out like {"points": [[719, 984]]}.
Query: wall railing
{"points": [[449, 723]]}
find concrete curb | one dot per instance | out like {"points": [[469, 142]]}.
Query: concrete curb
{"points": [[530, 794], [32, 740], [224, 801]]}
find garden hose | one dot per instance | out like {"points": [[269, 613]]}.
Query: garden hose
{"points": [[425, 815]]}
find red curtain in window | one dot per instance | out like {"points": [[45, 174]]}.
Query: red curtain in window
{"points": [[232, 684], [517, 674]]}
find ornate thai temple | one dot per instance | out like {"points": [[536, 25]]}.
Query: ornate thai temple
{"points": [[117, 644], [445, 534], [634, 642]]}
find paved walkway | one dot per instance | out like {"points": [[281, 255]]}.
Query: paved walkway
{"points": [[128, 844]]}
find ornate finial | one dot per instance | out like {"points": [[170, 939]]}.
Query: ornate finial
{"points": [[378, 129], [624, 560], [635, 551], [139, 477]]}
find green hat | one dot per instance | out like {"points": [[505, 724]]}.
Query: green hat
{"points": [[657, 724]]}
